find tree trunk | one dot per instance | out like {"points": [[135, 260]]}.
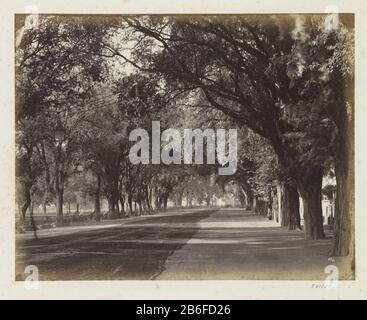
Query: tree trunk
{"points": [[150, 197], [33, 223], [269, 212], [344, 206], [249, 195], [275, 204], [140, 208], [130, 202], [344, 227], [26, 203], [279, 202], [147, 200], [180, 196], [310, 190], [97, 199], [242, 196], [111, 206], [116, 203], [47, 178], [290, 207], [165, 200], [122, 203], [59, 187], [250, 201], [156, 198], [207, 200], [254, 204], [59, 198]]}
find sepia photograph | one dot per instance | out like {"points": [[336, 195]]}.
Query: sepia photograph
{"points": [[184, 146]]}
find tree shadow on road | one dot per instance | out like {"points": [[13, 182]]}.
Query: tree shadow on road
{"points": [[129, 252]]}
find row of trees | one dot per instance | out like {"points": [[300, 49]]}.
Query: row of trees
{"points": [[72, 120], [289, 79], [286, 82]]}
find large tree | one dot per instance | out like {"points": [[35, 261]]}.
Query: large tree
{"points": [[56, 66], [328, 74]]}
